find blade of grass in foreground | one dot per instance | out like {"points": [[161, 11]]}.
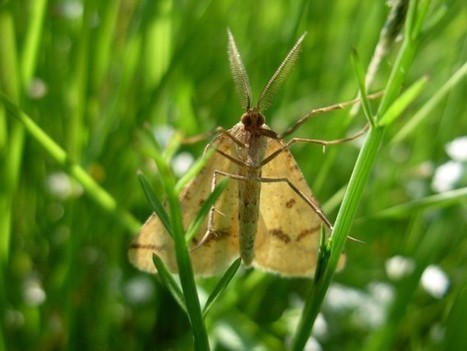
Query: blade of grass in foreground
{"points": [[221, 285], [185, 269], [360, 174], [169, 282]]}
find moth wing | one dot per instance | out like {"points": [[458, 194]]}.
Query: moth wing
{"points": [[220, 248], [288, 236]]}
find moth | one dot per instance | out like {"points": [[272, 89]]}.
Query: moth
{"points": [[267, 214]]}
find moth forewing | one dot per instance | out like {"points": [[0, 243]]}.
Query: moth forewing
{"points": [[288, 233], [220, 248]]}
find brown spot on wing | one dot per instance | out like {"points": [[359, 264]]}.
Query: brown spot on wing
{"points": [[278, 233], [307, 232], [187, 196], [290, 203]]}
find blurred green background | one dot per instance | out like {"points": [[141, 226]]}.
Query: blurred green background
{"points": [[93, 74]]}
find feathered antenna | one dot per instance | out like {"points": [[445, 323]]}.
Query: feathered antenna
{"points": [[240, 77], [279, 77]]}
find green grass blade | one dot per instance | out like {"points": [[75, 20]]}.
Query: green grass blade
{"points": [[32, 42], [156, 203], [403, 101], [185, 269], [92, 188], [448, 198], [169, 282], [361, 172], [423, 113], [205, 208], [360, 74], [194, 169], [342, 226], [221, 285]]}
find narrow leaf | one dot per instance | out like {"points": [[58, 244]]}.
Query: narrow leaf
{"points": [[359, 73], [445, 199], [424, 112], [396, 109], [205, 208], [169, 282], [194, 169], [221, 285], [156, 203]]}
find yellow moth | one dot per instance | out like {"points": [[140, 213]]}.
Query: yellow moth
{"points": [[267, 214]]}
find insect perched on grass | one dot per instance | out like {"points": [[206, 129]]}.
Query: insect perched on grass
{"points": [[266, 215]]}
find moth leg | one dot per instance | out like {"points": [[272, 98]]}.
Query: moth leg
{"points": [[203, 136], [324, 143], [317, 111], [216, 133], [330, 142]]}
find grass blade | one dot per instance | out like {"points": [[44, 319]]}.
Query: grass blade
{"points": [[156, 203], [169, 282], [221, 285], [403, 101], [185, 269], [205, 208]]}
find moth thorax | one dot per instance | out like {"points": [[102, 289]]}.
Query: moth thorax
{"points": [[252, 120]]}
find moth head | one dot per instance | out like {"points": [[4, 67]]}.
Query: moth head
{"points": [[252, 120]]}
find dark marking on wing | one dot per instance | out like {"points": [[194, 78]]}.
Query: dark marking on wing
{"points": [[307, 232], [187, 196], [278, 233], [290, 203]]}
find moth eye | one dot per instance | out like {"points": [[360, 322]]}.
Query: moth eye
{"points": [[259, 119], [247, 120]]}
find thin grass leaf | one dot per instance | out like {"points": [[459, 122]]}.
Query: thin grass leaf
{"points": [[360, 74], [419, 117], [156, 203], [415, 16], [279, 77], [193, 229], [92, 188], [324, 254], [185, 269], [32, 41], [365, 161], [149, 143], [403, 101], [239, 74], [448, 198], [221, 285], [173, 146], [169, 282], [195, 168]]}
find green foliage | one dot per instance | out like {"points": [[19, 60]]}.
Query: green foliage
{"points": [[81, 80]]}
